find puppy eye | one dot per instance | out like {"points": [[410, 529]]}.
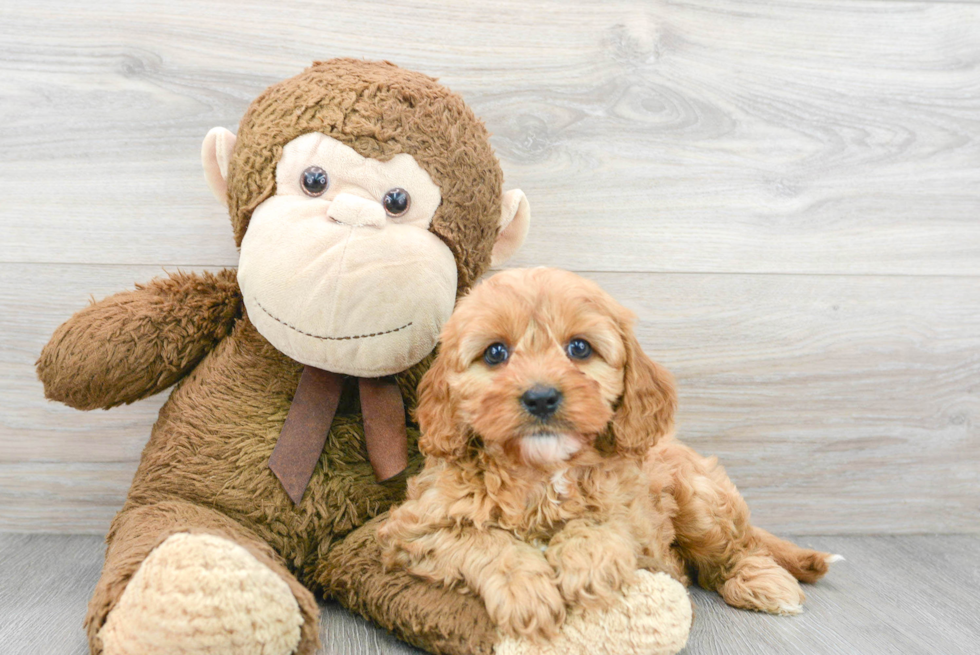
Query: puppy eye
{"points": [[396, 201], [496, 353], [578, 349], [314, 181]]}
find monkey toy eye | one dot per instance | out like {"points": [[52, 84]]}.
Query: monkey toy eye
{"points": [[314, 181], [578, 349], [496, 353], [396, 201]]}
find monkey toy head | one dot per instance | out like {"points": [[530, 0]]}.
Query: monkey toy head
{"points": [[365, 199]]}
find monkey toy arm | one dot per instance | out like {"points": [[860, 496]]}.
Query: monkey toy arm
{"points": [[136, 343]]}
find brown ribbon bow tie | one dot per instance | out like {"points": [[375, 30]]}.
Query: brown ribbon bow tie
{"points": [[305, 431]]}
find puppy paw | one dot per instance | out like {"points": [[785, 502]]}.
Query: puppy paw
{"points": [[651, 617], [198, 593], [525, 603], [592, 571], [760, 584]]}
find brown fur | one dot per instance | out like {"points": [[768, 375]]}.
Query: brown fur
{"points": [[749, 567], [205, 467], [100, 358], [380, 111], [478, 511], [633, 496]]}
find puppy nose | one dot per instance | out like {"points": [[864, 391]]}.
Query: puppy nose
{"points": [[541, 401]]}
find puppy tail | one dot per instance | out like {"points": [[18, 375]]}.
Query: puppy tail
{"points": [[803, 564]]}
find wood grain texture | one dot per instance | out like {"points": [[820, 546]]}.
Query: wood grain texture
{"points": [[911, 595], [914, 595], [836, 403], [705, 136], [787, 192]]}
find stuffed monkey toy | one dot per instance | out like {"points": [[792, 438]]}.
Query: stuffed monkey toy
{"points": [[365, 199]]}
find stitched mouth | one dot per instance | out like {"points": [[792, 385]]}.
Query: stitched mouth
{"points": [[327, 338]]}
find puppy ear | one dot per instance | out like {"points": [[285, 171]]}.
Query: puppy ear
{"points": [[646, 410], [436, 416]]}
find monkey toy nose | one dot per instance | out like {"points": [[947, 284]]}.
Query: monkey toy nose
{"points": [[356, 211], [541, 401]]}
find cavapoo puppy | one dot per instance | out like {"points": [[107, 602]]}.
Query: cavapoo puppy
{"points": [[552, 474]]}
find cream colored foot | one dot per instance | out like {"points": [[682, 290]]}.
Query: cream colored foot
{"points": [[760, 584], [203, 595], [654, 618]]}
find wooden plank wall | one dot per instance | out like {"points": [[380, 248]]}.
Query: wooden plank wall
{"points": [[787, 193]]}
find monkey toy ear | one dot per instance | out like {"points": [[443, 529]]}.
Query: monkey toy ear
{"points": [[215, 156], [515, 219]]}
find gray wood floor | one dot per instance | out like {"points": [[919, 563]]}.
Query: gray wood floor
{"points": [[896, 594]]}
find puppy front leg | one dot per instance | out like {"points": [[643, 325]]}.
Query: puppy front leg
{"points": [[593, 561], [514, 580], [750, 568]]}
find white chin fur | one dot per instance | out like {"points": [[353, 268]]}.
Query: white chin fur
{"points": [[548, 448]]}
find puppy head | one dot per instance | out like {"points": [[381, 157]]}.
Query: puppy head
{"points": [[535, 365]]}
